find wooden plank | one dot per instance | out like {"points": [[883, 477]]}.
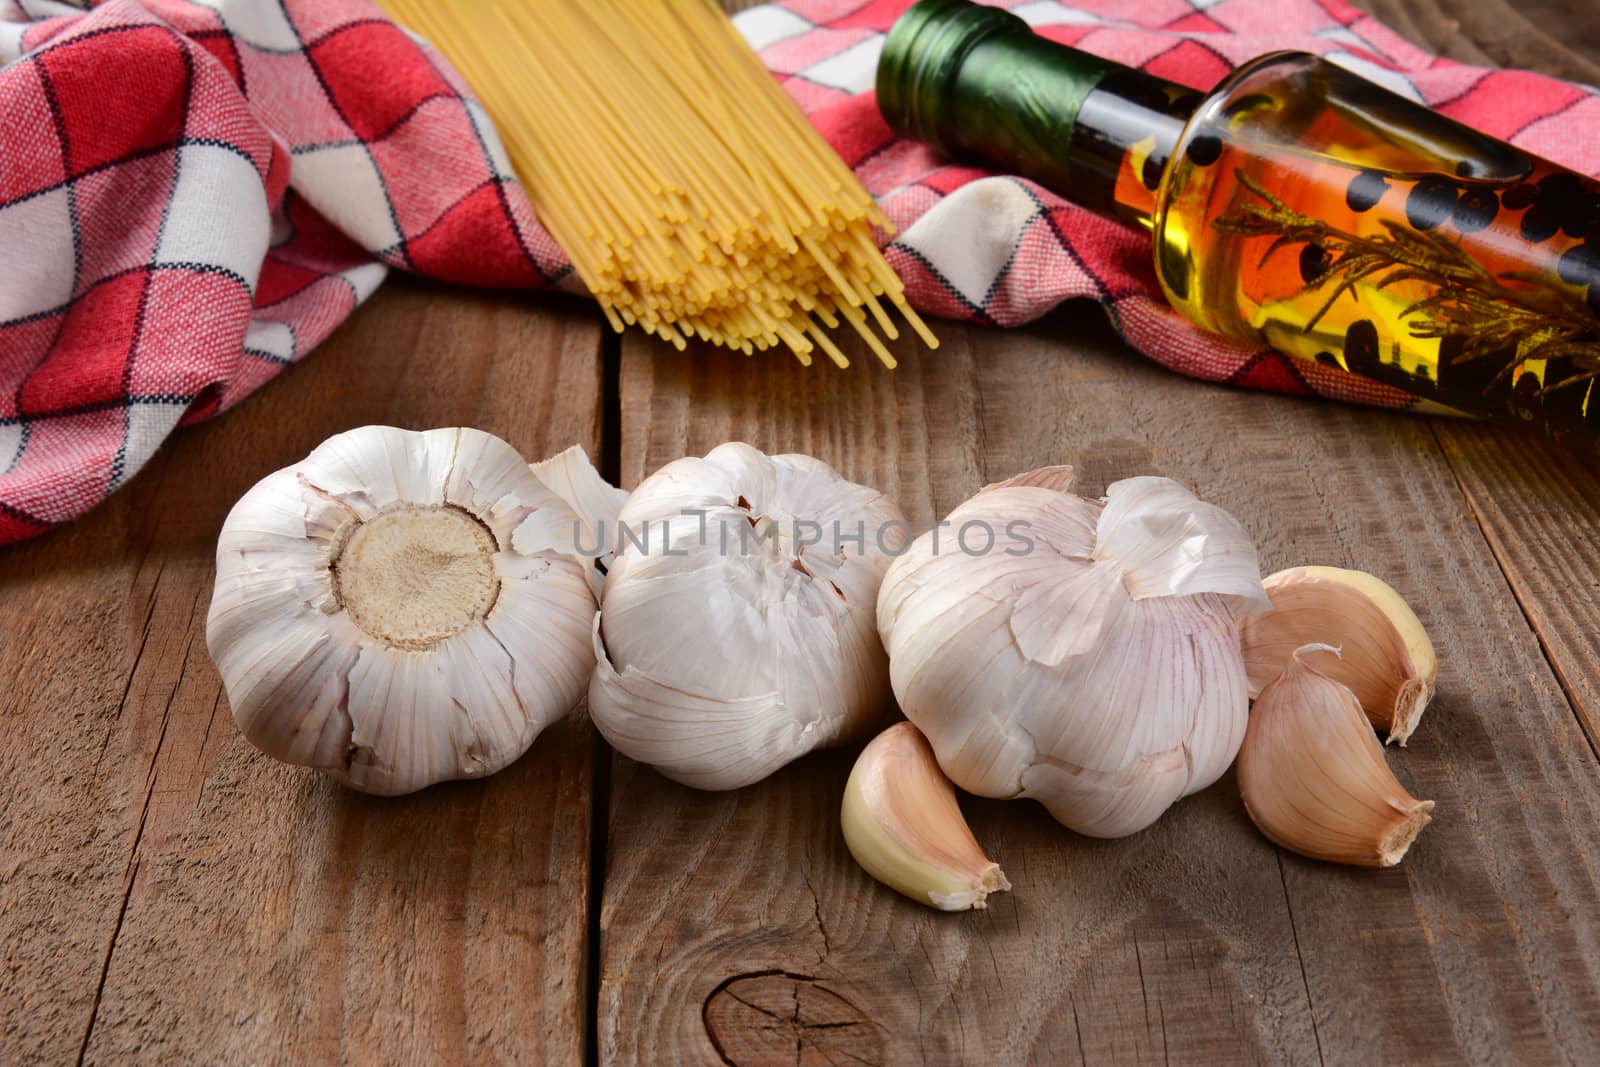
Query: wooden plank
{"points": [[1193, 941], [1539, 507], [167, 894]]}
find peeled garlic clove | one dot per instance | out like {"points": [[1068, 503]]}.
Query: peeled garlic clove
{"points": [[738, 628], [1313, 776], [1385, 656], [904, 826], [400, 608]]}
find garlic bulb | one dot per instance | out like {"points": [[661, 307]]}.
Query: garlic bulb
{"points": [[1385, 656], [1313, 777], [902, 823], [400, 608], [737, 631], [1089, 659]]}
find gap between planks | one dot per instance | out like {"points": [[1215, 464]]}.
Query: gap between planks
{"points": [[609, 462]]}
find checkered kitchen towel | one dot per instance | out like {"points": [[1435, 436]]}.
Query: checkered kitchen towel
{"points": [[193, 193]]}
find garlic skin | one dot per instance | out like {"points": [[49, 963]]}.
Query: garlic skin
{"points": [[903, 824], [596, 503], [1098, 671], [1313, 776], [1386, 658], [721, 659], [400, 608]]}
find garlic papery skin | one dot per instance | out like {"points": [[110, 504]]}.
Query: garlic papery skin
{"points": [[1090, 660], [727, 645], [903, 824], [1385, 656], [1313, 776], [400, 608], [596, 503]]}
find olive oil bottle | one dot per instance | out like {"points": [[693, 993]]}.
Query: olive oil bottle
{"points": [[1296, 205]]}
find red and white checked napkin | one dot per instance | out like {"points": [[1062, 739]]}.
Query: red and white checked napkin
{"points": [[194, 193]]}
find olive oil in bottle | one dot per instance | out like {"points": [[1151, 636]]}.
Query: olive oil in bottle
{"points": [[1297, 205]]}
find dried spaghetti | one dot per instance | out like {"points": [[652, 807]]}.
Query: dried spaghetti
{"points": [[692, 196]]}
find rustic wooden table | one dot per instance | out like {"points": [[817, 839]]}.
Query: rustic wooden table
{"points": [[168, 895]]}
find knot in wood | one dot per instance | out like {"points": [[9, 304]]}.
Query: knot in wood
{"points": [[778, 1017]]}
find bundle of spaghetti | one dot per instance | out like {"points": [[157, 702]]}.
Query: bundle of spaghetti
{"points": [[690, 193]]}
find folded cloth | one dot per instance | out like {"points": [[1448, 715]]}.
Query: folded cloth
{"points": [[193, 193]]}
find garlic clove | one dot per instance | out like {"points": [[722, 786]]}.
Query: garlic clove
{"points": [[1156, 713], [700, 739], [1385, 656], [1058, 478], [570, 475], [904, 826], [1313, 776], [596, 503], [400, 608]]}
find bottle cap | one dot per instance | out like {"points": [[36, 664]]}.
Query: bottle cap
{"points": [[924, 53], [977, 82]]}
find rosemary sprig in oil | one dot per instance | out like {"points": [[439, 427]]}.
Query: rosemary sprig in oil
{"points": [[1531, 319]]}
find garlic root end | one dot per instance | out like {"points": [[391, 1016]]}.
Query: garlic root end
{"points": [[1409, 704], [1392, 849], [990, 880]]}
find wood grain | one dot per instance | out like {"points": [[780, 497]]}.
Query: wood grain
{"points": [[1195, 941], [1539, 507], [167, 894]]}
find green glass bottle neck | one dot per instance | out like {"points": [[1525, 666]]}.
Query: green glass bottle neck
{"points": [[978, 84]]}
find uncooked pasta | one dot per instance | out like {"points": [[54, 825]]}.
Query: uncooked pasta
{"points": [[691, 194]]}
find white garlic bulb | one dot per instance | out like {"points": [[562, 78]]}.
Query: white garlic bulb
{"points": [[737, 630], [1089, 659], [401, 608]]}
